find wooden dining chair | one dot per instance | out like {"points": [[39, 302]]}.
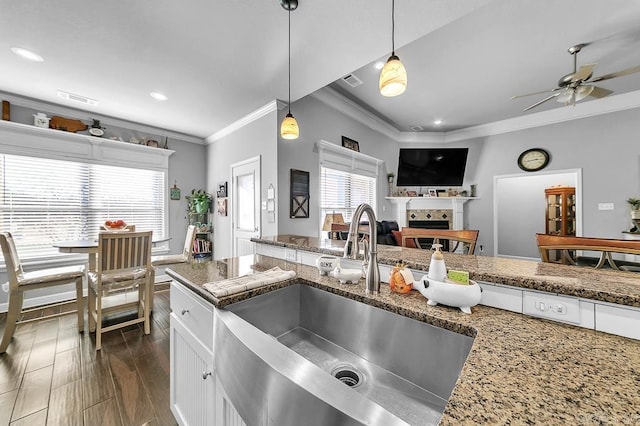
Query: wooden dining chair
{"points": [[20, 282], [122, 281], [172, 259], [466, 237]]}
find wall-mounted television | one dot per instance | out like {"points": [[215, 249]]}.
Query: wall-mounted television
{"points": [[431, 166]]}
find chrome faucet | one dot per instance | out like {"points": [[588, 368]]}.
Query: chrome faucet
{"points": [[351, 248]]}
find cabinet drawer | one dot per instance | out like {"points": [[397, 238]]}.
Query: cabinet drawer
{"points": [[196, 315]]}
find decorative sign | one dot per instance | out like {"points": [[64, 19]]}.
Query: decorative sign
{"points": [[174, 192], [299, 191]]}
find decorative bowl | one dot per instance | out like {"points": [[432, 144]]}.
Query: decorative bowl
{"points": [[327, 264], [347, 276], [450, 293], [113, 227]]}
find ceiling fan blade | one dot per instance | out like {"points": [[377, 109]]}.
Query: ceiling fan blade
{"points": [[541, 102], [583, 73], [617, 74], [599, 92], [535, 93]]}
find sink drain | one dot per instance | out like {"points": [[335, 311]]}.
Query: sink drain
{"points": [[348, 375]]}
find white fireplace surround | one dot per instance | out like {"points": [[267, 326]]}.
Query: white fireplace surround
{"points": [[455, 204]]}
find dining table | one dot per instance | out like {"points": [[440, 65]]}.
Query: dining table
{"points": [[90, 247]]}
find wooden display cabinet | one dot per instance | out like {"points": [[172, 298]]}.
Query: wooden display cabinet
{"points": [[560, 214]]}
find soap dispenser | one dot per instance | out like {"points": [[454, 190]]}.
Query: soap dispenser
{"points": [[437, 268]]}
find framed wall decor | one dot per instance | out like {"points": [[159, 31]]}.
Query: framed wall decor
{"points": [[221, 204], [222, 190], [350, 144], [299, 190], [174, 192]]}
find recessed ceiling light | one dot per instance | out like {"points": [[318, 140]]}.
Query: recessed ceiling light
{"points": [[438, 122], [378, 65], [27, 54], [158, 96]]}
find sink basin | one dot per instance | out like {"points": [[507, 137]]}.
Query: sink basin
{"points": [[364, 354]]}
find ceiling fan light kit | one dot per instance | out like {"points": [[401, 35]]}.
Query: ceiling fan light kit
{"points": [[393, 77], [574, 86], [289, 128]]}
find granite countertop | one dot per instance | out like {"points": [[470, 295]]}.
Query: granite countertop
{"points": [[603, 285], [521, 370]]}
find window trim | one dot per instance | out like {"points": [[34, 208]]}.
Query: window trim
{"points": [[30, 141], [333, 156]]}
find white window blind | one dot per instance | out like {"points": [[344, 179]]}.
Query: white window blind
{"points": [[342, 192], [44, 201]]}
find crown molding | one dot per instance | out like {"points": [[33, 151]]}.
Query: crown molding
{"points": [[39, 105], [606, 105], [247, 119], [346, 106]]}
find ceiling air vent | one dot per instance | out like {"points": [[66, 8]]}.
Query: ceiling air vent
{"points": [[352, 80], [417, 128], [77, 98]]}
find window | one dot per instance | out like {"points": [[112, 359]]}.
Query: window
{"points": [[43, 201], [342, 192]]}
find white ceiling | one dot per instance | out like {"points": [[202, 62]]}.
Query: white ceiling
{"points": [[219, 60]]}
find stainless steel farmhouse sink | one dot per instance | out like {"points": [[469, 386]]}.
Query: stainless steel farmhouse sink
{"points": [[300, 355]]}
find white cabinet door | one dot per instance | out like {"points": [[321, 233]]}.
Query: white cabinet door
{"points": [[192, 378], [226, 414]]}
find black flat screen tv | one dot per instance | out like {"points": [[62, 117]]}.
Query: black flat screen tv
{"points": [[431, 166]]}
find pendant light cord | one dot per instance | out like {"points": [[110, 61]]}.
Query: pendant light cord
{"points": [[393, 27], [289, 105]]}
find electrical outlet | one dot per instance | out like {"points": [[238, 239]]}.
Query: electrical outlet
{"points": [[481, 248], [290, 255], [5, 287], [559, 308]]}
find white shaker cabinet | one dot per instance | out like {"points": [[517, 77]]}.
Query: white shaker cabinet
{"points": [[192, 385], [197, 396]]}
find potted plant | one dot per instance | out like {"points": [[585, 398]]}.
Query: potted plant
{"points": [[199, 201]]}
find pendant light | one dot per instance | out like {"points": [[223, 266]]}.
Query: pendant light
{"points": [[393, 77], [289, 128]]}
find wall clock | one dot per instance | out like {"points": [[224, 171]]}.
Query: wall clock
{"points": [[533, 159]]}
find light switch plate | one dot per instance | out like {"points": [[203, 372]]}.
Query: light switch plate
{"points": [[605, 206]]}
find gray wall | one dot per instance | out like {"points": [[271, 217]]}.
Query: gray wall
{"points": [[257, 138], [319, 121], [521, 208], [604, 146]]}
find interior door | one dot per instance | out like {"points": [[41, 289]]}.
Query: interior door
{"points": [[245, 201]]}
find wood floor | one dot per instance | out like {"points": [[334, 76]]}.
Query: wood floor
{"points": [[52, 375]]}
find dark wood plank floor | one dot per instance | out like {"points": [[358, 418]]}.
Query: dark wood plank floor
{"points": [[52, 375]]}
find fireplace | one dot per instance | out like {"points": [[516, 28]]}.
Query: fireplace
{"points": [[425, 243]]}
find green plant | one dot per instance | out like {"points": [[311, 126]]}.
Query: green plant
{"points": [[634, 203], [199, 201]]}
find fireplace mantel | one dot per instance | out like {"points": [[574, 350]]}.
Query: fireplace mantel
{"points": [[456, 204]]}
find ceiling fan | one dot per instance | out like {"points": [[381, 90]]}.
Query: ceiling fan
{"points": [[574, 86]]}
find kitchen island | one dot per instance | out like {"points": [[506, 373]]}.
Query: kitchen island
{"points": [[520, 369]]}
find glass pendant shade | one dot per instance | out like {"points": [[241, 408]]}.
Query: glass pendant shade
{"points": [[393, 77], [289, 128]]}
